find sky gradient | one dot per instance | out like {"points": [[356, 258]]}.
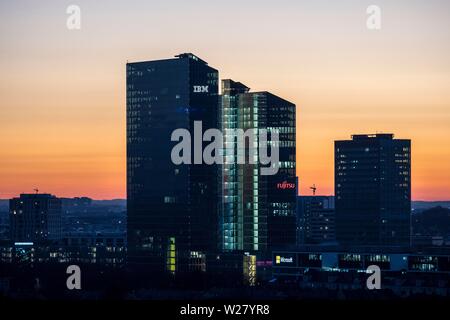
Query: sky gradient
{"points": [[62, 93]]}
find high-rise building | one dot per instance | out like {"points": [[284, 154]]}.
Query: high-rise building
{"points": [[373, 190], [35, 218], [257, 212], [172, 209], [315, 219]]}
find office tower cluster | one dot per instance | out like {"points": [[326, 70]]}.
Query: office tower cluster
{"points": [[179, 213], [46, 229], [238, 219], [188, 216]]}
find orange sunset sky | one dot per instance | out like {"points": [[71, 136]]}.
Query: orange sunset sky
{"points": [[62, 92]]}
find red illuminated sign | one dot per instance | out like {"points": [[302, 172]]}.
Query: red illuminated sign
{"points": [[285, 185]]}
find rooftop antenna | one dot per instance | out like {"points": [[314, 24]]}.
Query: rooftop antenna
{"points": [[313, 188]]}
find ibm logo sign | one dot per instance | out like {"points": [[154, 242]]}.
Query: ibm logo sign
{"points": [[201, 89]]}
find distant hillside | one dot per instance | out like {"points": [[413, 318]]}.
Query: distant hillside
{"points": [[421, 205], [415, 205], [4, 205], [432, 222], [122, 203], [112, 202]]}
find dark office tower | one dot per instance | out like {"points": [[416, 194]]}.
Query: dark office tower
{"points": [[373, 190], [315, 219], [172, 209], [35, 218], [257, 211]]}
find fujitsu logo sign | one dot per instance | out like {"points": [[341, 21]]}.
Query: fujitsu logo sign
{"points": [[201, 89], [285, 185]]}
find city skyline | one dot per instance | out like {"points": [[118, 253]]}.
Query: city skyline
{"points": [[63, 131], [206, 154]]}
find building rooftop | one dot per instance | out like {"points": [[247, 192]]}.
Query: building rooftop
{"points": [[386, 136], [186, 55], [190, 56], [35, 196], [231, 87]]}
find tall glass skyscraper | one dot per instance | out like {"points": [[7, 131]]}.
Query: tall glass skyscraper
{"points": [[257, 212], [373, 190], [172, 209]]}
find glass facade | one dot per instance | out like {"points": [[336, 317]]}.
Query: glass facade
{"points": [[169, 203], [257, 212]]}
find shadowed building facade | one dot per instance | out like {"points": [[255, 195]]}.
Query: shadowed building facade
{"points": [[35, 218], [373, 190], [315, 220], [172, 209]]}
